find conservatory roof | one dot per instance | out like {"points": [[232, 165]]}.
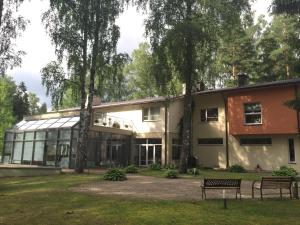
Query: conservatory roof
{"points": [[65, 122]]}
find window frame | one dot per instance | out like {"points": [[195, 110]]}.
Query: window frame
{"points": [[207, 118], [211, 144], [252, 113], [289, 146], [149, 115], [256, 144]]}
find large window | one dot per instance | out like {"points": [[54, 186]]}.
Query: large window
{"points": [[210, 141], [209, 115], [151, 113], [176, 148], [253, 113], [256, 141]]}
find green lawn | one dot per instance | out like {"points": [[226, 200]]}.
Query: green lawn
{"points": [[208, 173], [47, 200]]}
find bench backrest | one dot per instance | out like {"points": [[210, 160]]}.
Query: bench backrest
{"points": [[222, 183], [276, 182]]}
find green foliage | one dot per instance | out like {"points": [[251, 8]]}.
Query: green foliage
{"points": [[155, 166], [237, 169], [7, 89], [170, 166], [34, 105], [131, 169], [285, 171], [171, 174], [115, 175], [194, 172], [11, 27], [21, 102]]}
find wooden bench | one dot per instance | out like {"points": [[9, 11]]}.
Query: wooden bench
{"points": [[273, 183], [221, 184]]}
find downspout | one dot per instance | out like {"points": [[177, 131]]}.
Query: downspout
{"points": [[297, 111], [166, 130], [226, 130]]}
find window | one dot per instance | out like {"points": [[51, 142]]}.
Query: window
{"points": [[176, 148], [253, 113], [210, 141], [255, 141], [209, 115], [151, 114], [292, 158]]}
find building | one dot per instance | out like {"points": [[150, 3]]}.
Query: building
{"points": [[247, 125]]}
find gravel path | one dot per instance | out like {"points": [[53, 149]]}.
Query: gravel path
{"points": [[160, 188]]}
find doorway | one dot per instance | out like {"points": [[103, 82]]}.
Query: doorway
{"points": [[149, 154]]}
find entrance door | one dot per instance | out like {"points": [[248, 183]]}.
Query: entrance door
{"points": [[149, 154]]}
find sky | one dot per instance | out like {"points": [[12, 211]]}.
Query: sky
{"points": [[39, 50]]}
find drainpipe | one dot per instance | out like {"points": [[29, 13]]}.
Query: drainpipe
{"points": [[298, 119], [226, 130], [166, 130]]}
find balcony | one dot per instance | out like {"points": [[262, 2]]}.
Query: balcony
{"points": [[114, 122]]}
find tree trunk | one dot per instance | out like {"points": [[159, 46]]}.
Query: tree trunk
{"points": [[82, 140], [187, 117], [234, 71], [1, 11], [287, 68]]}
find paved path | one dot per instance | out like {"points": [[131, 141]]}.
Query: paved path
{"points": [[159, 188]]}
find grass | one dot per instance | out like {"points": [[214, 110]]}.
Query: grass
{"points": [[48, 200], [208, 173]]}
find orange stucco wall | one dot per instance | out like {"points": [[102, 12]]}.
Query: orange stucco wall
{"points": [[276, 117]]}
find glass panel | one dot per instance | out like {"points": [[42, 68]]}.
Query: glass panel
{"points": [[75, 133], [17, 152], [18, 125], [65, 134], [40, 122], [154, 141], [52, 121], [146, 114], [19, 137], [69, 124], [63, 120], [292, 158], [143, 153], [52, 135], [33, 127], [203, 115], [63, 153], [150, 155], [212, 114], [39, 151], [56, 125], [9, 136], [40, 135], [29, 136], [50, 153], [253, 119], [158, 154], [74, 119], [44, 126], [28, 149], [8, 148]]}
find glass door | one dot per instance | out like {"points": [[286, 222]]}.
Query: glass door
{"points": [[151, 153], [143, 155]]}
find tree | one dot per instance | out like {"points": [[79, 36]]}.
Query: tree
{"points": [[7, 89], [10, 28], [183, 38], [35, 107], [279, 49], [84, 32], [20, 102]]}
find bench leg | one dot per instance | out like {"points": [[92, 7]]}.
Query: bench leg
{"points": [[240, 194], [291, 197], [261, 194], [202, 192], [236, 193], [252, 192]]}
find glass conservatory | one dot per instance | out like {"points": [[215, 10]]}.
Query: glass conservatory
{"points": [[53, 142]]}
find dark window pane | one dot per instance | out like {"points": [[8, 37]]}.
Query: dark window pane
{"points": [[255, 141], [65, 134], [203, 115], [292, 150], [140, 141], [255, 119], [9, 136], [50, 153], [8, 148], [52, 135], [212, 114], [210, 141], [154, 141], [40, 135]]}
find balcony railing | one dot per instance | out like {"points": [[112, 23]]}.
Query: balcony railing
{"points": [[114, 122]]}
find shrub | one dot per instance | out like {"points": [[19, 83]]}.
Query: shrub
{"points": [[285, 171], [237, 169], [171, 174], [193, 171], [170, 166], [115, 175], [155, 166], [131, 169]]}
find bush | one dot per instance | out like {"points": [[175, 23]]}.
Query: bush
{"points": [[171, 174], [155, 166], [131, 169], [237, 169], [285, 171], [170, 166], [193, 171], [115, 175]]}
